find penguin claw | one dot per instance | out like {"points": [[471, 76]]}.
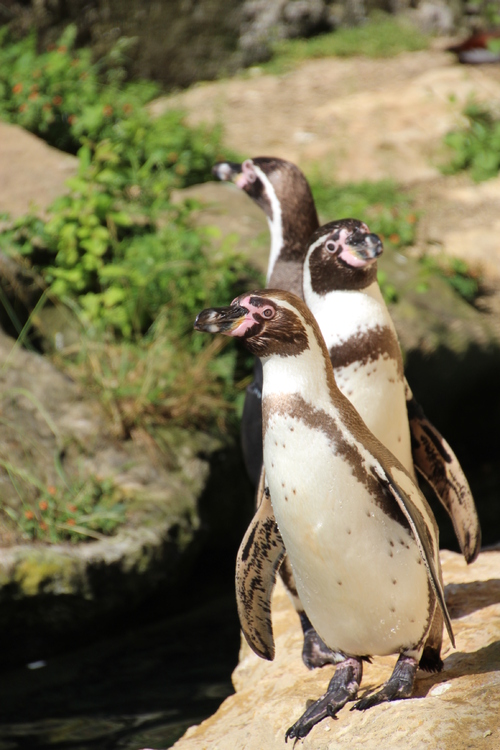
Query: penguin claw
{"points": [[343, 687], [399, 685]]}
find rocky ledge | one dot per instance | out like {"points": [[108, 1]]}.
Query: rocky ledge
{"points": [[454, 710]]}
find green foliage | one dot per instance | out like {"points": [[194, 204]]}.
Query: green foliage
{"points": [[114, 244], [387, 211], [90, 509], [61, 95], [114, 248], [456, 272], [477, 146], [382, 35]]}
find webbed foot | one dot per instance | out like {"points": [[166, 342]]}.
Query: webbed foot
{"points": [[399, 685], [343, 687], [315, 652]]}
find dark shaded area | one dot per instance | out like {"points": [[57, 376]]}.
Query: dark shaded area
{"points": [[142, 684], [176, 573], [460, 396]]}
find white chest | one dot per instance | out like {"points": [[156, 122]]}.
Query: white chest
{"points": [[374, 385], [358, 573]]}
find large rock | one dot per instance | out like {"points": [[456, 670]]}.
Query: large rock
{"points": [[32, 174], [454, 710], [53, 433], [358, 118]]}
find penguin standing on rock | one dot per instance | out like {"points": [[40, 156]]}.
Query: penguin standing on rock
{"points": [[340, 287], [361, 539]]}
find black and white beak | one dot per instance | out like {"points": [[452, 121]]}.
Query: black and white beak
{"points": [[226, 171], [221, 319], [365, 247]]}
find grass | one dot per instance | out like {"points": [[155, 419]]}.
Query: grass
{"points": [[382, 35]]}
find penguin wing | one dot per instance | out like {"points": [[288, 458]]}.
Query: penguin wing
{"points": [[418, 526], [437, 463], [257, 563]]}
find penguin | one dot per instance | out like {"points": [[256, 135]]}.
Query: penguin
{"points": [[340, 288], [280, 189], [361, 539]]}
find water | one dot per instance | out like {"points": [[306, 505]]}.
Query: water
{"points": [[141, 686]]}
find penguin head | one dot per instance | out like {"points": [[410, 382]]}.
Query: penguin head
{"points": [[342, 255], [276, 186], [269, 321]]}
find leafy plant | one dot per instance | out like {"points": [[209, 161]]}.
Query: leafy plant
{"points": [[385, 208], [477, 146], [89, 509], [383, 35], [456, 272]]}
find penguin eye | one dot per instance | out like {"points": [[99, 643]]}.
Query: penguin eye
{"points": [[331, 246], [267, 312]]}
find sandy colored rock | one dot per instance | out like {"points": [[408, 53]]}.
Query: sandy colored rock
{"points": [[360, 118], [454, 710], [32, 174]]}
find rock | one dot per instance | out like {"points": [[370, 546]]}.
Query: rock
{"points": [[453, 710], [32, 174], [263, 22], [461, 220], [365, 119], [54, 433]]}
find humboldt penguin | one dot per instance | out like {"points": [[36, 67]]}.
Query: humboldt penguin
{"points": [[280, 189], [369, 367], [360, 536]]}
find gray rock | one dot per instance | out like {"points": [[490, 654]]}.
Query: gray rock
{"points": [[454, 710], [54, 433]]}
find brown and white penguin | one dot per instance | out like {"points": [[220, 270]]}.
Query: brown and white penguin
{"points": [[364, 350], [280, 189], [361, 539]]}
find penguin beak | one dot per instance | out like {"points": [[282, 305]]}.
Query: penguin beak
{"points": [[226, 171], [221, 319], [365, 247]]}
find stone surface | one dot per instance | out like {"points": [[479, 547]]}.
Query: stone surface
{"points": [[360, 119], [32, 174], [454, 710], [52, 432]]}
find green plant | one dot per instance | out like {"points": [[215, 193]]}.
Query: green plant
{"points": [[477, 146], [89, 509], [456, 272], [385, 208], [382, 35]]}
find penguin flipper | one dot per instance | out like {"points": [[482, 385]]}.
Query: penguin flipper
{"points": [[257, 563], [437, 463], [420, 533]]}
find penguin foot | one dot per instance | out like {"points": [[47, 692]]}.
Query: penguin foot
{"points": [[343, 687], [315, 652], [399, 685]]}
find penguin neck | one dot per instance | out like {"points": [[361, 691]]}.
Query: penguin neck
{"points": [[289, 239], [277, 239], [341, 313], [308, 375]]}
